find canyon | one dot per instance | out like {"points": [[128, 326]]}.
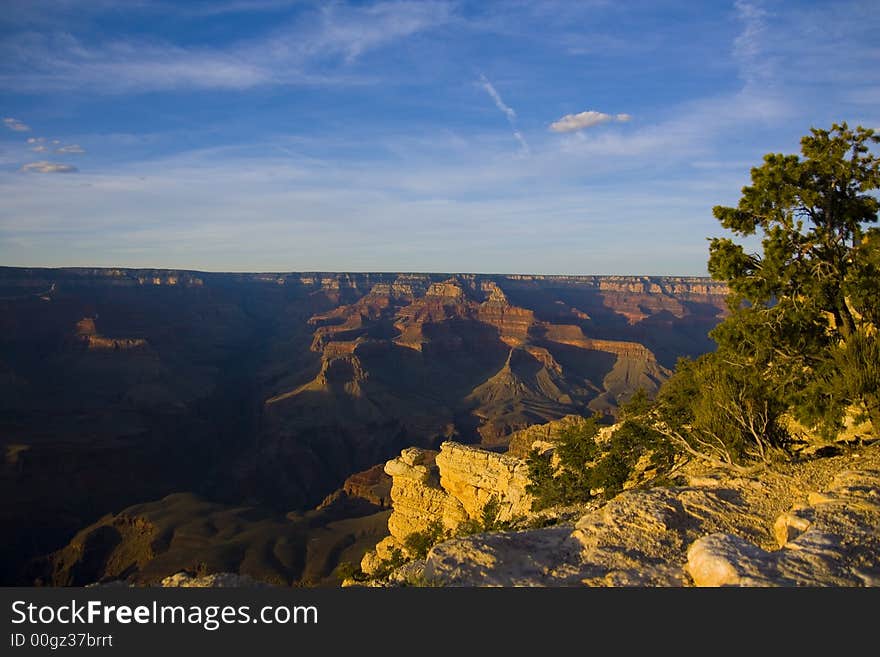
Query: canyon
{"points": [[157, 421]]}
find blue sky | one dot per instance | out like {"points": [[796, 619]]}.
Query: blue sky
{"points": [[531, 137]]}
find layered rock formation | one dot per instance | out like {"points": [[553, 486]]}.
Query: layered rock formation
{"points": [[281, 385], [474, 477], [502, 367]]}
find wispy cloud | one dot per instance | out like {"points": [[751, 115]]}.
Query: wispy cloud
{"points": [[231, 7], [44, 166], [15, 124], [60, 62], [295, 53], [747, 47], [508, 112], [70, 149], [588, 119], [352, 31]]}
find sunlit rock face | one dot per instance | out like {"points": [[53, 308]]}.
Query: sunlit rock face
{"points": [[447, 488]]}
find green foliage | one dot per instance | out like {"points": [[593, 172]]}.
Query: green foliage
{"points": [[721, 409], [586, 466], [631, 441], [856, 372], [862, 282], [489, 520], [576, 449], [418, 544], [419, 580], [546, 488], [801, 336], [576, 446], [638, 405], [489, 514]]}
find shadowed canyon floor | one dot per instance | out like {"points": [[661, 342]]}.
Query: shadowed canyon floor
{"points": [[206, 413]]}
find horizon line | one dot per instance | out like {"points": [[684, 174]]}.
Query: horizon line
{"points": [[341, 271]]}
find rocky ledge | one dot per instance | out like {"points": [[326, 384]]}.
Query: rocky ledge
{"points": [[812, 523], [698, 535]]}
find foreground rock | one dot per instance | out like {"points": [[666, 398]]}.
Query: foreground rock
{"points": [[832, 541], [716, 531], [637, 539]]}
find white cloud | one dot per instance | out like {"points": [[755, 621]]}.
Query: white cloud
{"points": [[39, 148], [70, 149], [47, 167], [588, 119], [16, 125]]}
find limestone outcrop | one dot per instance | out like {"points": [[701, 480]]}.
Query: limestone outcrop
{"points": [[474, 476], [88, 335], [449, 487], [417, 496]]}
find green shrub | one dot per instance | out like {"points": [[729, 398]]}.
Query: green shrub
{"points": [[576, 450], [722, 409], [418, 544], [489, 514], [586, 465], [487, 522]]}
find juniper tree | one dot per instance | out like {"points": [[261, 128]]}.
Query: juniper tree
{"points": [[804, 311]]}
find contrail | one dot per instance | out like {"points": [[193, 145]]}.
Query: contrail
{"points": [[508, 112]]}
